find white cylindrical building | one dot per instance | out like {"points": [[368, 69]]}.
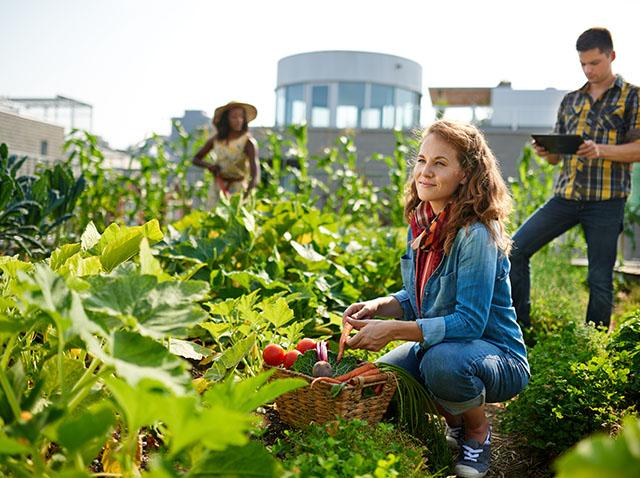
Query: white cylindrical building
{"points": [[348, 89]]}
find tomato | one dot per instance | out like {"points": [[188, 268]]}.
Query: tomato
{"points": [[305, 344], [273, 355], [291, 357]]}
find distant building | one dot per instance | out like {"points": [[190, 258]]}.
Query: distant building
{"points": [[28, 136], [348, 89], [61, 110], [191, 121]]}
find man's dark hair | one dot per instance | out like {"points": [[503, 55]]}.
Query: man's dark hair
{"points": [[223, 128], [595, 38]]}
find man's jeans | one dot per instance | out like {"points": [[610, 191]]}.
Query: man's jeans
{"points": [[601, 222]]}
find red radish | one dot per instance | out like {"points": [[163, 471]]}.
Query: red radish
{"points": [[273, 355], [305, 344], [290, 358]]}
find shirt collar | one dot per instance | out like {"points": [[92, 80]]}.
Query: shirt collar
{"points": [[617, 83]]}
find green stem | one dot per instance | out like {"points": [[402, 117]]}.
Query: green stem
{"points": [[63, 391], [4, 381], [84, 390], [92, 367], [79, 461]]}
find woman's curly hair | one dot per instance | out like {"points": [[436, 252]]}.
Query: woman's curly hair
{"points": [[483, 197]]}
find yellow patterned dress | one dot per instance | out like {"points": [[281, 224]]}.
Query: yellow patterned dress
{"points": [[234, 175]]}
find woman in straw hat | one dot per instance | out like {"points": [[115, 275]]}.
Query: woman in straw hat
{"points": [[232, 151]]}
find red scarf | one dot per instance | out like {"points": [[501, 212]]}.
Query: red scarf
{"points": [[427, 228]]}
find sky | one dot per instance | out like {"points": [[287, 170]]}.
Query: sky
{"points": [[142, 62]]}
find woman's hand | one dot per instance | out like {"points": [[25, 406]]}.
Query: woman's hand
{"points": [[372, 334], [361, 310]]}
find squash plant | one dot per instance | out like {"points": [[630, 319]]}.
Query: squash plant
{"points": [[88, 340]]}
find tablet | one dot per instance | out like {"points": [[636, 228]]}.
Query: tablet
{"points": [[559, 143]]}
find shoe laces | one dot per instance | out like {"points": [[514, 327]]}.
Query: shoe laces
{"points": [[472, 454]]}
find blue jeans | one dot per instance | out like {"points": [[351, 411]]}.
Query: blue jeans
{"points": [[462, 375], [601, 222]]}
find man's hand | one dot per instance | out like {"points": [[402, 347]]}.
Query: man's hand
{"points": [[372, 334], [590, 150], [543, 153]]}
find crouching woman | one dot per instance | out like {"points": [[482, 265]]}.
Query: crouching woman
{"points": [[455, 309]]}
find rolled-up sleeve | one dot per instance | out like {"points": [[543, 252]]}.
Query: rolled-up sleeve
{"points": [[433, 330], [402, 296]]}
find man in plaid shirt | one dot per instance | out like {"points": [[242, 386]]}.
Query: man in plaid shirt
{"points": [[593, 184]]}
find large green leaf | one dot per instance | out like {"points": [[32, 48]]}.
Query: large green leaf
{"points": [[78, 266], [308, 253], [61, 254], [215, 427], [137, 358], [47, 291], [154, 309], [149, 265], [90, 237], [249, 394], [187, 349], [600, 455], [231, 357], [140, 404], [277, 312], [251, 460], [12, 447], [87, 431], [250, 281], [118, 244]]}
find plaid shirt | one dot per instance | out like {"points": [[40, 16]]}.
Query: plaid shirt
{"points": [[613, 119]]}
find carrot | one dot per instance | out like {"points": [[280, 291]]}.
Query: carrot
{"points": [[346, 330], [378, 388], [356, 371], [369, 379], [373, 371]]}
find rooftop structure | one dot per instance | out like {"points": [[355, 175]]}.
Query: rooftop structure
{"points": [[60, 110], [348, 89]]}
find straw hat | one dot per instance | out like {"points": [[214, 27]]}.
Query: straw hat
{"points": [[250, 111]]}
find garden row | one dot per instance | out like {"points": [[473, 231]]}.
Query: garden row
{"points": [[132, 347]]}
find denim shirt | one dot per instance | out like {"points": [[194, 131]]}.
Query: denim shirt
{"points": [[468, 296]]}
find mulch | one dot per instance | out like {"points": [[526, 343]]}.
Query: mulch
{"points": [[510, 458]]}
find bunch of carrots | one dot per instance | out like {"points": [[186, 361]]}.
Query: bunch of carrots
{"points": [[367, 373]]}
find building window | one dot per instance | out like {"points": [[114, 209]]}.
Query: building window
{"points": [[44, 147], [381, 111], [295, 107], [407, 109], [280, 106], [320, 114], [350, 104]]}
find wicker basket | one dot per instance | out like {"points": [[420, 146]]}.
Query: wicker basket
{"points": [[316, 404]]}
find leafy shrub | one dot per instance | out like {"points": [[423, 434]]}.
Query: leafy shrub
{"points": [[577, 387], [33, 207], [555, 298], [625, 345], [351, 449]]}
